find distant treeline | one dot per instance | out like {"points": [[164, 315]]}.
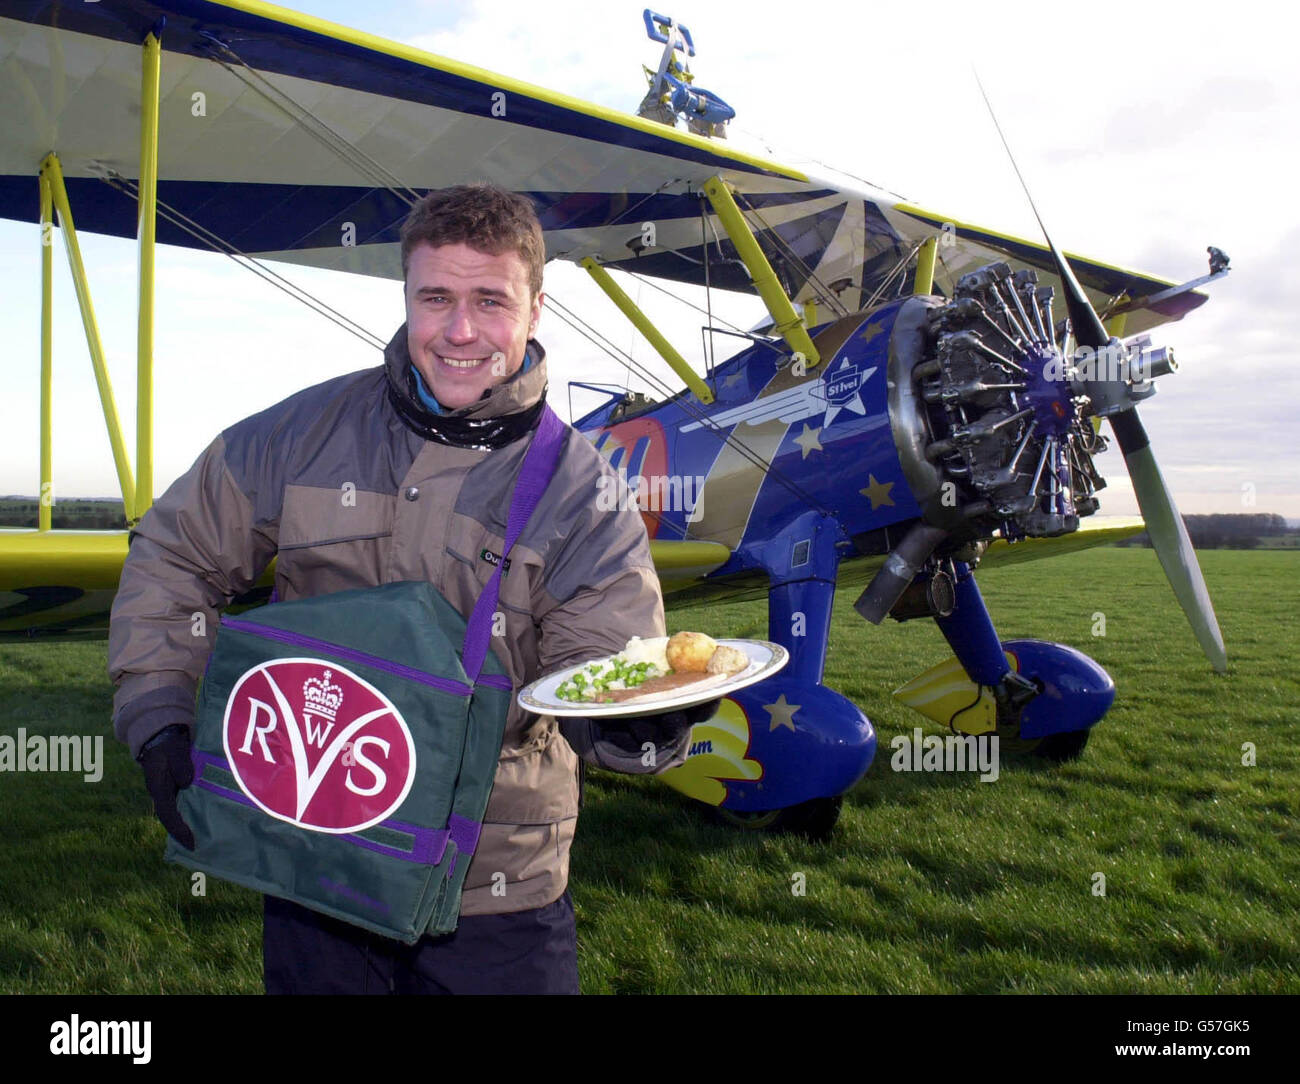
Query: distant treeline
{"points": [[1232, 532], [75, 514], [1218, 532]]}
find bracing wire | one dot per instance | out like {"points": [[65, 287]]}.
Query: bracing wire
{"points": [[383, 178], [688, 407], [250, 263], [799, 261], [347, 150]]}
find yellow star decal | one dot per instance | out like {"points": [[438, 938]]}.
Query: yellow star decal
{"points": [[872, 330], [782, 713], [877, 492], [807, 440]]}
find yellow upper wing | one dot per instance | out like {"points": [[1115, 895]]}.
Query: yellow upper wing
{"points": [[314, 139]]}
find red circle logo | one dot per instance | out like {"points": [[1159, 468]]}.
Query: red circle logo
{"points": [[313, 744]]}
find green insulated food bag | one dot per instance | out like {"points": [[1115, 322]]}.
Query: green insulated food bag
{"points": [[346, 744]]}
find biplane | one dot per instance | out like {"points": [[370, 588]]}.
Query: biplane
{"points": [[925, 397]]}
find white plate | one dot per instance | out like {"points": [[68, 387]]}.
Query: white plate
{"points": [[765, 659]]}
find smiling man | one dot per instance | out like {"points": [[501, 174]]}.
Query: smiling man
{"points": [[472, 263], [405, 472], [470, 310], [469, 316]]}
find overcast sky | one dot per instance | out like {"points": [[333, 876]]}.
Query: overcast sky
{"points": [[1144, 138]]}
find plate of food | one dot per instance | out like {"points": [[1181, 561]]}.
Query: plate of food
{"points": [[654, 675]]}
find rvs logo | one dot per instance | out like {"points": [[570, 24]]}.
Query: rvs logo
{"points": [[313, 744]]}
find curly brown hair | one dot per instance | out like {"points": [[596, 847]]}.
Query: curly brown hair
{"points": [[483, 216]]}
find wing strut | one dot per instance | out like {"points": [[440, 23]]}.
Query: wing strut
{"points": [[137, 490], [788, 322], [643, 324], [54, 192], [146, 228]]}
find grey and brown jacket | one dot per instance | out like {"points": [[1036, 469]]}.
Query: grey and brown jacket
{"points": [[338, 482]]}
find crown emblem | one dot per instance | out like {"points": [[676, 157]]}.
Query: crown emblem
{"points": [[320, 697]]}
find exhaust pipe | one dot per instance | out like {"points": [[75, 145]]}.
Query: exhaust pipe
{"points": [[899, 570]]}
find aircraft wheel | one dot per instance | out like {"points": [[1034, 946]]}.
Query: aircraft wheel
{"points": [[1057, 748], [1063, 747], [814, 819]]}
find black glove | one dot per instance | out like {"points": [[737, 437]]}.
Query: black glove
{"points": [[619, 742], [631, 732], [168, 769], [699, 713]]}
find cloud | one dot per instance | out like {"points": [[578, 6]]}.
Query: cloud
{"points": [[1157, 123]]}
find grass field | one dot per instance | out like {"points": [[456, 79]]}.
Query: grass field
{"points": [[933, 883]]}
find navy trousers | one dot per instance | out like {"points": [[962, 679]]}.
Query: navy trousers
{"points": [[527, 952]]}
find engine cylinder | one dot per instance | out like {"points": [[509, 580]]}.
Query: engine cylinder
{"points": [[992, 434]]}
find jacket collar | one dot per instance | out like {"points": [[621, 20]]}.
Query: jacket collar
{"points": [[504, 414]]}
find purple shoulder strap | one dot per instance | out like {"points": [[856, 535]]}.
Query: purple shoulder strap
{"points": [[534, 476]]}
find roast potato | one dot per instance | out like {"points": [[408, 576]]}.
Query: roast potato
{"points": [[690, 652], [727, 660]]}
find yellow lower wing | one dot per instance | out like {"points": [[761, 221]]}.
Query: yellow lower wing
{"points": [[60, 584], [66, 579], [680, 563], [1094, 531], [87, 559]]}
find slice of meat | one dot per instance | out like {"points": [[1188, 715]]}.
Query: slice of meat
{"points": [[657, 688]]}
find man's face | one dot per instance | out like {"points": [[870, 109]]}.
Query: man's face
{"points": [[468, 319]]}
